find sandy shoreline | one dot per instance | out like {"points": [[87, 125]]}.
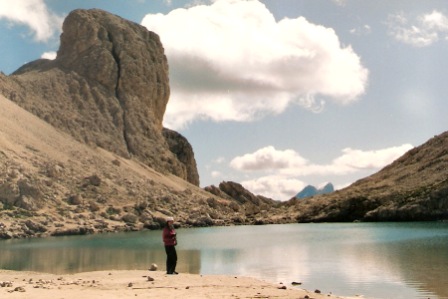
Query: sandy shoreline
{"points": [[142, 284]]}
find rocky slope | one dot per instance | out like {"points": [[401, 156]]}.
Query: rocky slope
{"points": [[412, 188], [107, 87], [51, 184], [93, 155]]}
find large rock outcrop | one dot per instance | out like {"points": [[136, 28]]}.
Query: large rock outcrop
{"points": [[258, 209], [108, 87], [180, 146]]}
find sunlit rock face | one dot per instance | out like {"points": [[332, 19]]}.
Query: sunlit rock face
{"points": [[108, 86]]}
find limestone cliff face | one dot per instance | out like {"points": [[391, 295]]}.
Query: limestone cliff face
{"points": [[121, 56], [107, 87], [180, 146]]}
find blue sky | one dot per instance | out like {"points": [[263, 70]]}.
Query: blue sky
{"points": [[279, 94]]}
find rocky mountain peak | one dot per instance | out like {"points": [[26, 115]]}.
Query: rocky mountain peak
{"points": [[120, 55], [108, 87], [310, 190]]}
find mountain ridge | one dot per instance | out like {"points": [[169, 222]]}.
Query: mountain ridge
{"points": [[94, 156], [412, 188], [83, 151], [52, 185]]}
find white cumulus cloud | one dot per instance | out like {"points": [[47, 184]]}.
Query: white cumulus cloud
{"points": [[275, 186], [49, 55], [216, 174], [421, 31], [279, 170], [32, 13], [232, 60], [268, 158], [363, 30], [353, 159]]}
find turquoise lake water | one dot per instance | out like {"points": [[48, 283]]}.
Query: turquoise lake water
{"points": [[375, 260]]}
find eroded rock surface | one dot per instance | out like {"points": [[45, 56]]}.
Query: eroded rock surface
{"points": [[107, 87]]}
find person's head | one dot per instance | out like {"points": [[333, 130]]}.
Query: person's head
{"points": [[169, 221]]}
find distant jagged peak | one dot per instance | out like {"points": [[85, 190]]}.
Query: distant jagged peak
{"points": [[310, 190]]}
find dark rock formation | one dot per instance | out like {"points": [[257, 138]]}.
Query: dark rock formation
{"points": [[241, 194], [412, 188], [257, 209], [218, 192], [107, 87], [180, 146], [241, 197]]}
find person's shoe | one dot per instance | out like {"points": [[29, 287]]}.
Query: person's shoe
{"points": [[175, 273]]}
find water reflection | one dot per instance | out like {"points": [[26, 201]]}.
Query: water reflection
{"points": [[424, 264], [92, 253], [375, 260]]}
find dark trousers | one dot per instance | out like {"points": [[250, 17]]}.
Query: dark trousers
{"points": [[171, 259]]}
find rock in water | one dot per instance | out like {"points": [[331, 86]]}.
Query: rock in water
{"points": [[108, 87]]}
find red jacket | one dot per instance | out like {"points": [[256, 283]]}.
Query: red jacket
{"points": [[169, 237]]}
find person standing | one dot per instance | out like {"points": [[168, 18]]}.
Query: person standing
{"points": [[169, 240]]}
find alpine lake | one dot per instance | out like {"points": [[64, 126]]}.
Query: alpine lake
{"points": [[372, 260]]}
